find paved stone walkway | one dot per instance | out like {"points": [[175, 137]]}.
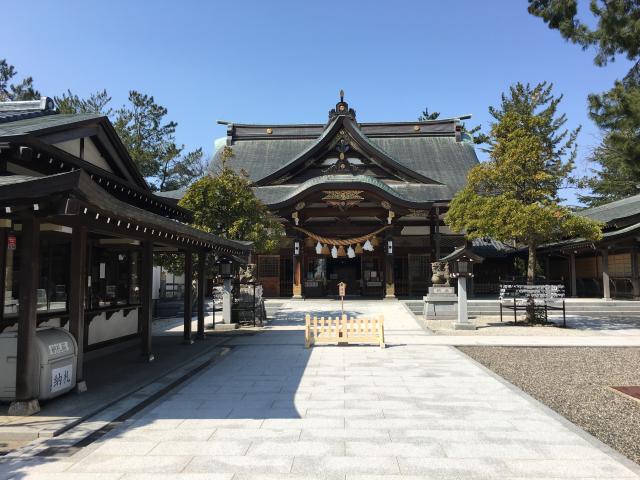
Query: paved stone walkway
{"points": [[272, 409]]}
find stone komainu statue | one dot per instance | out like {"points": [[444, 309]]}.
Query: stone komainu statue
{"points": [[248, 274], [440, 274]]}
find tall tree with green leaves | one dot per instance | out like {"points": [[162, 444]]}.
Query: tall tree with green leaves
{"points": [[515, 195], [617, 111], [617, 31], [474, 133], [150, 139], [96, 103], [145, 132], [226, 205], [23, 90]]}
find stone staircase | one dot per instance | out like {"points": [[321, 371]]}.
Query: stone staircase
{"points": [[574, 306]]}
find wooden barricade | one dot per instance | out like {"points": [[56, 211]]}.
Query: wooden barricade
{"points": [[344, 330]]}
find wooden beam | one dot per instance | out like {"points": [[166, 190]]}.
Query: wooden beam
{"points": [[202, 294], [146, 300], [188, 297], [77, 285], [27, 368]]}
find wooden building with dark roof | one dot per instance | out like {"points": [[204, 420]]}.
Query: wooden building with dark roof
{"points": [[608, 268], [78, 226], [362, 203]]}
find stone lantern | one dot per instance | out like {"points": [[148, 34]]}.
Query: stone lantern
{"points": [[461, 263]]}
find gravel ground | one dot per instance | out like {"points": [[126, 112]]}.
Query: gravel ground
{"points": [[575, 383]]}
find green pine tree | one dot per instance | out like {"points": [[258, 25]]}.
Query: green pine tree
{"points": [[96, 103], [617, 111], [15, 91], [515, 195]]}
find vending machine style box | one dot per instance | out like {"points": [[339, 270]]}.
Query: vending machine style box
{"points": [[57, 353]]}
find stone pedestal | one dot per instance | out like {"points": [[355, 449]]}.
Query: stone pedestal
{"points": [[441, 303], [24, 408]]}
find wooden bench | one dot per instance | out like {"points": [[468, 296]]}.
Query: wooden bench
{"points": [[344, 330]]}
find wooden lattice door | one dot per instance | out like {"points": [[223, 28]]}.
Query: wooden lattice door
{"points": [[269, 274]]}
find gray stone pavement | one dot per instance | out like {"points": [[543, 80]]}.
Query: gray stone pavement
{"points": [[273, 409]]}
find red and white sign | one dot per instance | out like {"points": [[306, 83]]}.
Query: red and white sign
{"points": [[11, 242]]}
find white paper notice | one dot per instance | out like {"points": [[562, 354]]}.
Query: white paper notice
{"points": [[61, 378]]}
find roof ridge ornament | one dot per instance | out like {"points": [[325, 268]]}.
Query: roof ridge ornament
{"points": [[342, 108]]}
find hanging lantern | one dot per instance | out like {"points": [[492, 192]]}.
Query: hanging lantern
{"points": [[341, 251], [308, 242], [334, 252], [359, 249], [375, 241], [351, 252], [367, 246], [325, 250], [319, 248]]}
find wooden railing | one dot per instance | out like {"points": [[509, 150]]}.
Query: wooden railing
{"points": [[343, 330]]}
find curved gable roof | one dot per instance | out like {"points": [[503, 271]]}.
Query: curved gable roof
{"points": [[427, 154]]}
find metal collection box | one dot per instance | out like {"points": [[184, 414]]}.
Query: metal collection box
{"points": [[57, 353]]}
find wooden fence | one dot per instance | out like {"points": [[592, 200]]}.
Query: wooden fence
{"points": [[343, 330]]}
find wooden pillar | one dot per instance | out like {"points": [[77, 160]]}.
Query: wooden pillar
{"points": [[437, 233], [202, 287], [297, 276], [572, 268], [606, 284], [389, 281], [27, 368], [5, 224], [432, 238], [146, 299], [635, 275], [188, 296], [547, 267], [77, 286]]}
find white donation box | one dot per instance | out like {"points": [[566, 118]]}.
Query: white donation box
{"points": [[57, 353]]}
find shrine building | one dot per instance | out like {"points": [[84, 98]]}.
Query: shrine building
{"points": [[361, 203]]}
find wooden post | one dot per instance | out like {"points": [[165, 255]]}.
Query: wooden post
{"points": [[307, 330], [27, 368], [77, 286], [572, 268], [297, 276], [635, 280], [437, 234], [547, 267], [389, 281], [606, 284], [432, 238], [188, 297], [146, 299], [5, 224], [202, 294]]}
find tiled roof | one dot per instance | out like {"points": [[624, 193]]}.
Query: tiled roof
{"points": [[627, 207], [433, 156], [28, 124]]}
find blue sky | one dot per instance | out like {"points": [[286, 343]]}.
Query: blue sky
{"points": [[285, 61]]}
